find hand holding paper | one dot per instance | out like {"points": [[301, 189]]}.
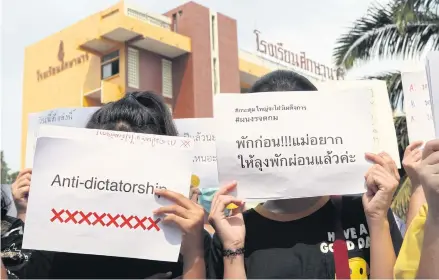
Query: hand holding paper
{"points": [[90, 192], [188, 216]]}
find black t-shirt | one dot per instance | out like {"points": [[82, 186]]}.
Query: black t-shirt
{"points": [[13, 257], [57, 265], [303, 248]]}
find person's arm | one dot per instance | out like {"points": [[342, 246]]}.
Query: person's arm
{"points": [[234, 267], [189, 217], [4, 273], [382, 254], [417, 199], [194, 266], [412, 159], [381, 184], [428, 264], [231, 232]]}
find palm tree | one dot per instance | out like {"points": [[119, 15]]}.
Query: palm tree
{"points": [[402, 29]]}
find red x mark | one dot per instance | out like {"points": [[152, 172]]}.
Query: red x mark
{"points": [[99, 219], [71, 216], [126, 221], [140, 222], [154, 224], [185, 143], [113, 220], [85, 218], [57, 215]]}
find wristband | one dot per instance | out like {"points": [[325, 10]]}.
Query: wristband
{"points": [[233, 253]]}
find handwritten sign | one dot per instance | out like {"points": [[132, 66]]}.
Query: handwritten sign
{"points": [[432, 67], [97, 197], [71, 117], [201, 130], [113, 136], [293, 144], [417, 106], [384, 133]]}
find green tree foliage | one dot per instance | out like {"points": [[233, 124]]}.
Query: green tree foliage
{"points": [[402, 29], [6, 176]]}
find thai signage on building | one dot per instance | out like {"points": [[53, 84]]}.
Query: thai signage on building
{"points": [[300, 60], [63, 64]]}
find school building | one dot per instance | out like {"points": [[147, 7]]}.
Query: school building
{"points": [[188, 55]]}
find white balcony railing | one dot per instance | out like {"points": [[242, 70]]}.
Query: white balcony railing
{"points": [[151, 18]]}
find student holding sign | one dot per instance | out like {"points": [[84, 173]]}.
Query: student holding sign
{"points": [[308, 237], [141, 113]]}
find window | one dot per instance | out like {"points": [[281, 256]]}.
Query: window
{"points": [[110, 65], [215, 77], [213, 32], [174, 22], [167, 78], [133, 68]]}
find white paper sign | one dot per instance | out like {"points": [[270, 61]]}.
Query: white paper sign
{"points": [[417, 106], [71, 117], [201, 130], [432, 68], [383, 126], [97, 197], [131, 138], [294, 144]]}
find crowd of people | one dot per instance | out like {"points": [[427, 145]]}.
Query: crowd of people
{"points": [[337, 237]]}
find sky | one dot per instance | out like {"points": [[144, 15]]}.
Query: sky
{"points": [[312, 26]]}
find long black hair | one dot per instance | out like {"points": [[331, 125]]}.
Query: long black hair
{"points": [[141, 112]]}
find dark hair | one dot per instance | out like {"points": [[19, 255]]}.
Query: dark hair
{"points": [[5, 204], [282, 80], [141, 112]]}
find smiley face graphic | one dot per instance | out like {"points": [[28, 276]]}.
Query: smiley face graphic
{"points": [[359, 268], [195, 181]]}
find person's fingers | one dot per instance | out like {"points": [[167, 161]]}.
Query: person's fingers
{"points": [[172, 209], [390, 164], [23, 181], [375, 159], [195, 193], [238, 210], [370, 184], [171, 218], [430, 147], [226, 189], [413, 146], [223, 201], [432, 158], [222, 191], [24, 191], [416, 156], [176, 197], [23, 172]]}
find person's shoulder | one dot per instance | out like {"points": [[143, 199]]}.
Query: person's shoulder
{"points": [[352, 202], [11, 224], [250, 214]]}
